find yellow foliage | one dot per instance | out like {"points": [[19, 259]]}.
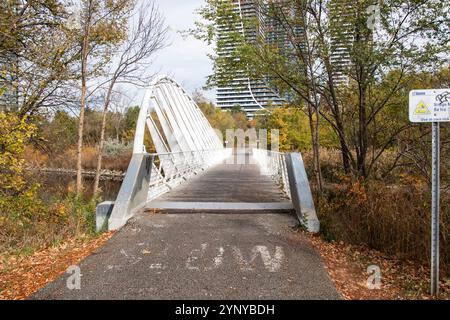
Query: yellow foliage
{"points": [[295, 131], [14, 134]]}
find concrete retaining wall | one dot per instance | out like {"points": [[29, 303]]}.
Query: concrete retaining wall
{"points": [[133, 192], [301, 192]]}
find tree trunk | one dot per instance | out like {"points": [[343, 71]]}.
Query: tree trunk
{"points": [[315, 147], [315, 124], [334, 106], [362, 135], [84, 57], [346, 162], [102, 138]]}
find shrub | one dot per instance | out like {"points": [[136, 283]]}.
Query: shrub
{"points": [[14, 134], [392, 219], [26, 222], [115, 148]]}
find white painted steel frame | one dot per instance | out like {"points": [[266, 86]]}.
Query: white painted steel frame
{"points": [[183, 125], [185, 142], [273, 164]]}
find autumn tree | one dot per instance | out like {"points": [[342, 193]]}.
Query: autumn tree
{"points": [[384, 45], [219, 119], [145, 37], [14, 134], [102, 26], [38, 55]]}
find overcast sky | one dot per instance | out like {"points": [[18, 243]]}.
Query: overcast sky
{"points": [[185, 59]]}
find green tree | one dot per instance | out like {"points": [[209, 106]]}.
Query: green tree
{"points": [[130, 121], [60, 133], [411, 37]]}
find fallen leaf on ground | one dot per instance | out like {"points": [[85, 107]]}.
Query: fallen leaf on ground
{"points": [[20, 277]]}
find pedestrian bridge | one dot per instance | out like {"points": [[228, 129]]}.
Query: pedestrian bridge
{"points": [[192, 171]]}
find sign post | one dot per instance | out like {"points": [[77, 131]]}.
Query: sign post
{"points": [[435, 210], [433, 106]]}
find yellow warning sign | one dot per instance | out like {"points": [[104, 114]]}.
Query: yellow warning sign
{"points": [[422, 109]]}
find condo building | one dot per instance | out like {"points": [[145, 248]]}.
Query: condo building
{"points": [[252, 95], [341, 18]]}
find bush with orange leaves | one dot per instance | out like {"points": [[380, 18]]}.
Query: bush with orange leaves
{"points": [[391, 219]]}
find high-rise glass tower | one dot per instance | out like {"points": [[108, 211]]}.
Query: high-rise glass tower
{"points": [[252, 95], [9, 95], [342, 14]]}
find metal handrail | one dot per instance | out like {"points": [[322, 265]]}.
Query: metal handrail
{"points": [[177, 167], [181, 152], [273, 164]]}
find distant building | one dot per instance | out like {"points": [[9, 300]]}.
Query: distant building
{"points": [[9, 95], [342, 15], [252, 95]]}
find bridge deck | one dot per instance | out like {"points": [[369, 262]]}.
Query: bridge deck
{"points": [[228, 183]]}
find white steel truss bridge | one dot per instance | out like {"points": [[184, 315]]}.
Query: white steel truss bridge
{"points": [[190, 169]]}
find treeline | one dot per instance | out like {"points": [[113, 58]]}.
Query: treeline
{"points": [[59, 56], [63, 67], [339, 66], [222, 120], [55, 144]]}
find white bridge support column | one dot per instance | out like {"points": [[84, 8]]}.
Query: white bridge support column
{"points": [[133, 192]]}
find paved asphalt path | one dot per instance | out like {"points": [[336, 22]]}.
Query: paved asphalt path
{"points": [[202, 256]]}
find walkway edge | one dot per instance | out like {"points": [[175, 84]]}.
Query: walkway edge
{"points": [[301, 192], [133, 192], [231, 206]]}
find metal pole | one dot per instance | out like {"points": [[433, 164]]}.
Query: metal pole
{"points": [[435, 211]]}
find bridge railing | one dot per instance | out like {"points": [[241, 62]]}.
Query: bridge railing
{"points": [[151, 175], [288, 169], [172, 169], [185, 143], [273, 164]]}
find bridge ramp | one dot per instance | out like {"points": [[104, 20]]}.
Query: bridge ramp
{"points": [[226, 188]]}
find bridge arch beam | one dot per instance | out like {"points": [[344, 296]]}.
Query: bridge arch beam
{"points": [[185, 144]]}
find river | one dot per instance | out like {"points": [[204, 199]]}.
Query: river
{"points": [[60, 185]]}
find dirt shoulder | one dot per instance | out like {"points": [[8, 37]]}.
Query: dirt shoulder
{"points": [[20, 277], [347, 266]]}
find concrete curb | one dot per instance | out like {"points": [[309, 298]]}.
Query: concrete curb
{"points": [[301, 192], [220, 206], [102, 214]]}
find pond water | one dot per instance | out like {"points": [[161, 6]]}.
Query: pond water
{"points": [[60, 185]]}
